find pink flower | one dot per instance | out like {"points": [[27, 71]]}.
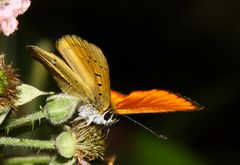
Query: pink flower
{"points": [[9, 10]]}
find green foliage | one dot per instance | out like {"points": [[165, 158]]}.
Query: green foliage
{"points": [[150, 150]]}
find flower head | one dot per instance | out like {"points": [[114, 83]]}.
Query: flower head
{"points": [[84, 142], [9, 10], [90, 142], [8, 84]]}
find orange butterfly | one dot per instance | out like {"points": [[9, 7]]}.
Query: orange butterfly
{"points": [[84, 73]]}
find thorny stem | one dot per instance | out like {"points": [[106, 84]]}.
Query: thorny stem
{"points": [[28, 160], [26, 120], [38, 144]]}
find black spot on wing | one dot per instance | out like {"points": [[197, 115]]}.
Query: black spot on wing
{"points": [[98, 75]]}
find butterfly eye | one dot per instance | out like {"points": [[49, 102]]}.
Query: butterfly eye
{"points": [[108, 115]]}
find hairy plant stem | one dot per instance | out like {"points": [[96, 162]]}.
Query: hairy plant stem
{"points": [[28, 160], [23, 121], [38, 144]]}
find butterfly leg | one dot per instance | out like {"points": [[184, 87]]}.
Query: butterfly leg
{"points": [[90, 120], [86, 122]]}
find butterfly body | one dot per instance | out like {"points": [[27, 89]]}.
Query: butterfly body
{"points": [[84, 73], [90, 113]]}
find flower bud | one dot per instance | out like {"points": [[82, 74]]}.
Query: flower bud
{"points": [[60, 108], [66, 144]]}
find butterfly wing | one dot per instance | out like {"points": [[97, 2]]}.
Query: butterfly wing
{"points": [[117, 97], [154, 101], [89, 63], [68, 81]]}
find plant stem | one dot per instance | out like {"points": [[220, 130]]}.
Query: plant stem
{"points": [[26, 120], [28, 160], [39, 144]]}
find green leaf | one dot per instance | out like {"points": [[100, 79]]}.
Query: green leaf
{"points": [[28, 93], [3, 113]]}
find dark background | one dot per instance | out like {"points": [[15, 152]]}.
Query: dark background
{"points": [[191, 47]]}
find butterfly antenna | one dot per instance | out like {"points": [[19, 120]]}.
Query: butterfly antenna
{"points": [[146, 128]]}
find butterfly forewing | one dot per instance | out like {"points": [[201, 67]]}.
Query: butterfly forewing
{"points": [[117, 97], [152, 101], [89, 63], [68, 81]]}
